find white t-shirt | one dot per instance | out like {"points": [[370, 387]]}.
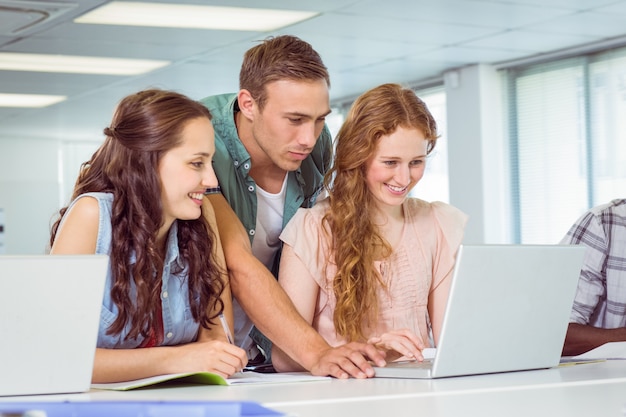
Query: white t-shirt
{"points": [[265, 246]]}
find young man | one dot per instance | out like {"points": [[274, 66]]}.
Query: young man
{"points": [[272, 151], [599, 312]]}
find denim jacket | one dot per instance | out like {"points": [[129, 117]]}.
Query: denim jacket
{"points": [[178, 324]]}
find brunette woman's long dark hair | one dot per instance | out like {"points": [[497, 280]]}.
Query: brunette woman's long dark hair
{"points": [[144, 127]]}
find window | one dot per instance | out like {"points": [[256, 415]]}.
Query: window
{"points": [[434, 186], [568, 141]]}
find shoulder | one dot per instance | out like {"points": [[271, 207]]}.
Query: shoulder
{"points": [[308, 238], [312, 215], [320, 208], [322, 151], [435, 214], [445, 210], [217, 104], [415, 205], [614, 208], [86, 208], [323, 146], [315, 166], [79, 229], [418, 207], [222, 109], [90, 205], [594, 219], [305, 222], [599, 223]]}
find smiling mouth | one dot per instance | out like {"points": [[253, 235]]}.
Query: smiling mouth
{"points": [[396, 189], [196, 196]]}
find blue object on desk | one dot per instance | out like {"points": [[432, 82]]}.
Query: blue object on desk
{"points": [[135, 409]]}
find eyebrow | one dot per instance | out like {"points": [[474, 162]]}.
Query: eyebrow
{"points": [[399, 157], [308, 116]]}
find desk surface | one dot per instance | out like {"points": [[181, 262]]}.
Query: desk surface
{"points": [[577, 390]]}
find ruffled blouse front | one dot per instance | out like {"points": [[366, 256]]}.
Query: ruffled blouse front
{"points": [[421, 261]]}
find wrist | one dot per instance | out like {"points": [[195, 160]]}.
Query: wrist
{"points": [[312, 356]]}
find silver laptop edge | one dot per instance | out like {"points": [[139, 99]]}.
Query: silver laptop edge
{"points": [[500, 322]]}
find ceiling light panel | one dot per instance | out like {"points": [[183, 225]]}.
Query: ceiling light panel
{"points": [[10, 61], [29, 100], [193, 16]]}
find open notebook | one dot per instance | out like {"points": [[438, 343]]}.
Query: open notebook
{"points": [[508, 310], [208, 378], [50, 313]]}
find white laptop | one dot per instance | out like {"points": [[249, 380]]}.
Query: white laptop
{"points": [[508, 310], [49, 317]]}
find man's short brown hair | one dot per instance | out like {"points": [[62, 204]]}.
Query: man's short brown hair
{"points": [[279, 58]]}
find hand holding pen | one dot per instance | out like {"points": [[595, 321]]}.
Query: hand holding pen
{"points": [[263, 367]]}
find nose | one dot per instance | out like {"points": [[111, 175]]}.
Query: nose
{"points": [[308, 135], [209, 179], [403, 174]]}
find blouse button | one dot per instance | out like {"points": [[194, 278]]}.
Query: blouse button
{"points": [[169, 335]]}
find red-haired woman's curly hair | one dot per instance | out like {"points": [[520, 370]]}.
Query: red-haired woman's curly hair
{"points": [[356, 242]]}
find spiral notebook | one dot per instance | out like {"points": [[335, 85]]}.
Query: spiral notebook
{"points": [[508, 310]]}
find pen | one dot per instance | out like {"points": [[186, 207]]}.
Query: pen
{"points": [[229, 335]]}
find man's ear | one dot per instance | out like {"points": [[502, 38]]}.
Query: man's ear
{"points": [[246, 103]]}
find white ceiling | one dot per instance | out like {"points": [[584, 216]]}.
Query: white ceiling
{"points": [[363, 43]]}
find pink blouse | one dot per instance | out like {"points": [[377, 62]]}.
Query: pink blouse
{"points": [[422, 260]]}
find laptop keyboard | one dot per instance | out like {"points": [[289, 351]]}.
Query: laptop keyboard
{"points": [[425, 364]]}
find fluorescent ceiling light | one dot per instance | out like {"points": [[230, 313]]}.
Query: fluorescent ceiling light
{"points": [[29, 100], [10, 61], [192, 16]]}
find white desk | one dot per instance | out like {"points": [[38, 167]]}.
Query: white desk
{"points": [[595, 389]]}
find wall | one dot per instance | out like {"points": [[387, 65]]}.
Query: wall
{"points": [[477, 153], [29, 193]]}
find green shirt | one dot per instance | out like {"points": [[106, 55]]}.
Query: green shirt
{"points": [[232, 166]]}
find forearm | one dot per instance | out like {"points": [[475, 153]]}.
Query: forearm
{"points": [[273, 312], [260, 295], [582, 338], [283, 363], [115, 365]]}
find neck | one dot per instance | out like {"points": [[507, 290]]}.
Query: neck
{"points": [[387, 214], [390, 224], [270, 179], [161, 237]]}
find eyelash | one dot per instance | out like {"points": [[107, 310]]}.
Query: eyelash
{"points": [[412, 163], [299, 120]]}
